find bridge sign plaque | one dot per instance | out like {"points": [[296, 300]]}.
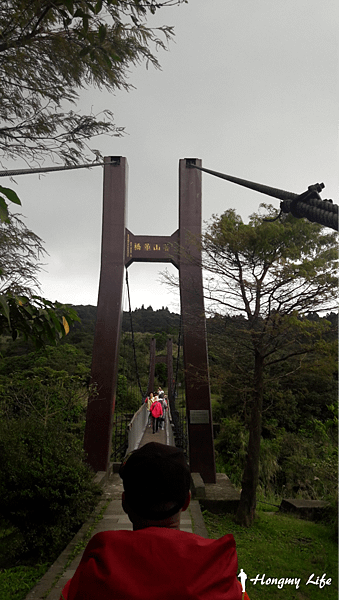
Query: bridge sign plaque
{"points": [[199, 417]]}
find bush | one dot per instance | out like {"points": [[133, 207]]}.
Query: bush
{"points": [[231, 447], [303, 464], [46, 490], [127, 399], [44, 394]]}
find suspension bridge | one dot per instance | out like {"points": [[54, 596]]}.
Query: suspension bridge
{"points": [[193, 431], [120, 248]]}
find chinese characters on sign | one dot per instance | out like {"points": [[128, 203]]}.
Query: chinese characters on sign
{"points": [[150, 248]]}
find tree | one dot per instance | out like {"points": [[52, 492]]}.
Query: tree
{"points": [[276, 274], [20, 253], [35, 319], [22, 312], [51, 49]]}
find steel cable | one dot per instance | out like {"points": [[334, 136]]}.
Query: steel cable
{"points": [[309, 204], [143, 396]]}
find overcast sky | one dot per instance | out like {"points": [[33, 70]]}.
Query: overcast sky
{"points": [[248, 86]]}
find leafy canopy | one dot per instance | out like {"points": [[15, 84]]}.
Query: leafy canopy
{"points": [[22, 312], [49, 51], [260, 268]]}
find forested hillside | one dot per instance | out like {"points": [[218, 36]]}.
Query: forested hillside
{"points": [[300, 414]]}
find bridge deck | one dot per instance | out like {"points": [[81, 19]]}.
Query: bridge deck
{"points": [[149, 436]]}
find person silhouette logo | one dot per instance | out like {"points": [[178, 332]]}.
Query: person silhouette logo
{"points": [[243, 577]]}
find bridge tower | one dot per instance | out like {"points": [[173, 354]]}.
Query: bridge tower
{"points": [[120, 248]]}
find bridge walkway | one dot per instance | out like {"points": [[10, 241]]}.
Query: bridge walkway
{"points": [[113, 518]]}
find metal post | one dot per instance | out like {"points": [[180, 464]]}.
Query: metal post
{"points": [[99, 420], [199, 417]]}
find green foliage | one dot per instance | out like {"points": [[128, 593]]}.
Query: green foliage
{"points": [[257, 266], [46, 491], [161, 374], [230, 447], [20, 254], [49, 51], [16, 582], [128, 400], [292, 464], [275, 274], [35, 319], [282, 546], [49, 386], [21, 312], [5, 195], [161, 322]]}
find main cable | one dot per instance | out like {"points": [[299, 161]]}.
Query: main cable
{"points": [[133, 343], [309, 204], [16, 172]]}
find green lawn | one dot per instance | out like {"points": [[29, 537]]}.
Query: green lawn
{"points": [[16, 582], [279, 546]]}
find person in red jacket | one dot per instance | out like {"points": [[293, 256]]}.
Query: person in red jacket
{"points": [[156, 412], [156, 561]]}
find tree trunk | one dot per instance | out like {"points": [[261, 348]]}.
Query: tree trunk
{"points": [[246, 509]]}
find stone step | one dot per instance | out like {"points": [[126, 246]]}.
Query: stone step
{"points": [[306, 509]]}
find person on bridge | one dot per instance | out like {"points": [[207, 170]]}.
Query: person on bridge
{"points": [[148, 402], [156, 561], [156, 412], [163, 403]]}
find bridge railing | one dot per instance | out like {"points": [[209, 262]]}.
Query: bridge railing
{"points": [[175, 436], [169, 429], [136, 428], [120, 435]]}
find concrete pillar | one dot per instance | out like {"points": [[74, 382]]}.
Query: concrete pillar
{"points": [[197, 388]]}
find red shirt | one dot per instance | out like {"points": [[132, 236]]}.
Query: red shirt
{"points": [[156, 563]]}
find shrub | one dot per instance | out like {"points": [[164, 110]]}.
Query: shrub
{"points": [[46, 490], [44, 394], [231, 446]]}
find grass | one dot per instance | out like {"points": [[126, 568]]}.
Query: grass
{"points": [[282, 546], [18, 574], [277, 545], [16, 582]]}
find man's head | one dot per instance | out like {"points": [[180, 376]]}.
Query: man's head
{"points": [[156, 480]]}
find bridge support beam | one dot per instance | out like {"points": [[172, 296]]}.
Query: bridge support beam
{"points": [[197, 388], [99, 420]]}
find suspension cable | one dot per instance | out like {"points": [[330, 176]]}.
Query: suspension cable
{"points": [[16, 172], [309, 204], [178, 354], [133, 342]]}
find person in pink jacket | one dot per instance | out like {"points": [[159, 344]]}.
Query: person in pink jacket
{"points": [[156, 561], [156, 412]]}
